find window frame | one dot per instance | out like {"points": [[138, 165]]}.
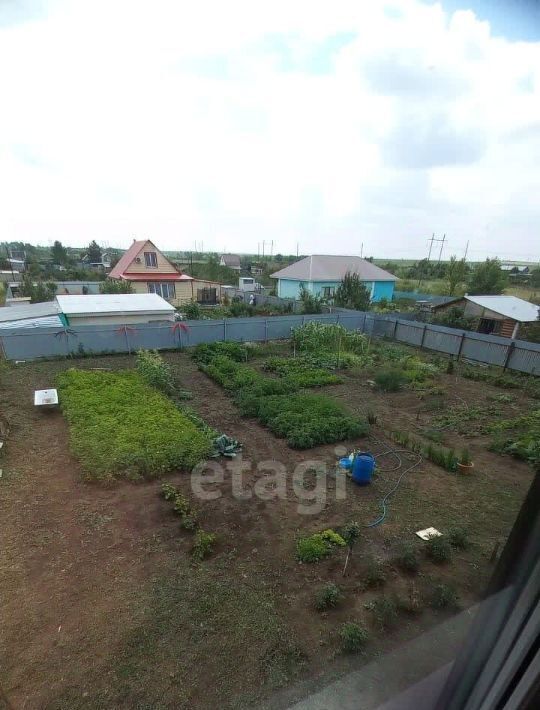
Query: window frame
{"points": [[150, 256], [160, 287]]}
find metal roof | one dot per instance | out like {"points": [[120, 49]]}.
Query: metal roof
{"points": [[320, 267], [29, 311], [44, 322], [508, 306], [114, 303]]}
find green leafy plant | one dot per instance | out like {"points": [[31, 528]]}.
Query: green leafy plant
{"points": [[318, 546], [407, 559], [443, 596], [458, 538], [374, 574], [181, 505], [328, 597], [465, 457], [205, 352], [385, 611], [519, 437], [438, 549], [154, 370], [329, 338], [189, 521], [192, 310], [168, 491], [390, 380], [121, 427], [203, 545], [353, 637]]}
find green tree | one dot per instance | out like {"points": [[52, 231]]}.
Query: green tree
{"points": [[456, 272], [93, 252], [534, 279], [352, 293], [59, 253], [39, 291], [487, 278], [310, 303], [113, 286]]}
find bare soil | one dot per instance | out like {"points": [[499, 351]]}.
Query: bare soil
{"points": [[102, 606]]}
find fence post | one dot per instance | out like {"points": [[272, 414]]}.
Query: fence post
{"points": [[337, 319], [224, 329], [458, 356], [423, 336], [395, 329], [266, 330], [509, 352]]}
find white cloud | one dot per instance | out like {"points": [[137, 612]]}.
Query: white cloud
{"points": [[329, 124]]}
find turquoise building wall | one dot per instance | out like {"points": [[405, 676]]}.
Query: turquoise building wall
{"points": [[289, 288]]}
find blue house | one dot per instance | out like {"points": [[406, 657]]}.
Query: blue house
{"points": [[322, 274]]}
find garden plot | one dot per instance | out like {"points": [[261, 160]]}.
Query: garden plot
{"points": [[263, 607]]}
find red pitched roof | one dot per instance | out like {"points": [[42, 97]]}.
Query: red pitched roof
{"points": [[125, 260]]}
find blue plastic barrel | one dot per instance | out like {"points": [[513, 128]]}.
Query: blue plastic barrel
{"points": [[362, 469]]}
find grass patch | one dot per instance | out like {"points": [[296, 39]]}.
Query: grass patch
{"points": [[300, 372], [443, 596], [407, 559], [390, 380], [120, 427], [385, 612], [203, 545]]}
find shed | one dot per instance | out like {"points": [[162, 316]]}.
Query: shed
{"points": [[499, 315], [31, 315], [122, 308]]}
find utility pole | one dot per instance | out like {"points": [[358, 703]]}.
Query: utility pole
{"points": [[466, 250], [442, 245], [297, 245], [263, 243], [362, 250], [272, 250]]}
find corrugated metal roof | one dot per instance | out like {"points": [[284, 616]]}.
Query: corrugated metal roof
{"points": [[508, 306], [30, 310], [45, 322], [113, 303], [332, 268]]}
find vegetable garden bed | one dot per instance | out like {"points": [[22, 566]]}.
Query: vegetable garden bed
{"points": [[120, 427]]}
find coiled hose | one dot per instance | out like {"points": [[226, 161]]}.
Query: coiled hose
{"points": [[399, 463]]}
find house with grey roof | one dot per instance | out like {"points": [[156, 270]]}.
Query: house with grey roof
{"points": [[322, 274], [232, 261]]}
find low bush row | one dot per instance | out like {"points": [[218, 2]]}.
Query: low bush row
{"points": [[305, 420], [120, 427], [439, 455], [204, 541], [301, 372]]}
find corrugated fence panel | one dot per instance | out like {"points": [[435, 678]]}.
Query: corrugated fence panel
{"points": [[525, 357], [443, 341], [408, 332], [485, 348], [31, 344]]}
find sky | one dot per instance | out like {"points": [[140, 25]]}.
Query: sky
{"points": [[338, 127]]}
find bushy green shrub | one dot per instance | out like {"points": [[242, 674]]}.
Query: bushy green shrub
{"points": [[189, 521], [307, 420], [353, 637], [203, 545], [351, 532], [407, 559], [390, 380], [318, 546], [444, 596], [121, 427], [301, 372], [519, 437], [168, 491], [438, 549], [385, 611], [155, 371], [192, 310], [205, 352], [314, 336], [181, 505], [458, 538], [328, 597], [374, 574]]}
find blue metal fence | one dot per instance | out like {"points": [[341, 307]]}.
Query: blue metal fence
{"points": [[31, 344]]}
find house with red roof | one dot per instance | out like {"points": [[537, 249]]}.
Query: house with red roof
{"points": [[150, 271]]}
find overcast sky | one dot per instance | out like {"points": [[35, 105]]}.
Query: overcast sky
{"points": [[326, 124]]}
